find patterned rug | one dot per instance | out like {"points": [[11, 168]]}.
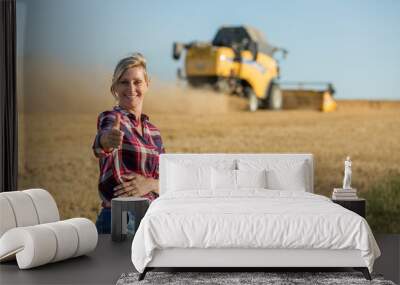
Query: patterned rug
{"points": [[230, 278]]}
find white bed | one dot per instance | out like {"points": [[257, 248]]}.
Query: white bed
{"points": [[247, 210]]}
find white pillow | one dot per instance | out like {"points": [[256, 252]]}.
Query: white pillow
{"points": [[228, 179], [223, 179], [193, 173], [282, 174], [251, 178], [290, 179], [188, 177]]}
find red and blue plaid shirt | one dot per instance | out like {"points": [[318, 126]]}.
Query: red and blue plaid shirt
{"points": [[138, 154]]}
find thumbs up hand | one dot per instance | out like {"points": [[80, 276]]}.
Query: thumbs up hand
{"points": [[113, 137]]}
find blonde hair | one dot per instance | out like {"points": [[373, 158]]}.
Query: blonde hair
{"points": [[134, 60]]}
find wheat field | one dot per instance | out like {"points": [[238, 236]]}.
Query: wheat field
{"points": [[56, 135]]}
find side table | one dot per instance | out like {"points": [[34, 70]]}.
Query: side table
{"points": [[357, 205], [120, 209]]}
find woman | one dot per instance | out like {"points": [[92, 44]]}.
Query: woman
{"points": [[127, 144]]}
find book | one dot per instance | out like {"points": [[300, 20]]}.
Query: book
{"points": [[345, 194], [341, 190], [344, 197]]}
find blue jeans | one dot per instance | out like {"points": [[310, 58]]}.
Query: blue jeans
{"points": [[103, 222]]}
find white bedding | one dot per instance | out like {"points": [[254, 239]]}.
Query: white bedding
{"points": [[251, 218]]}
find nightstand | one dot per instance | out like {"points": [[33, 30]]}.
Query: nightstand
{"points": [[121, 208], [356, 205]]}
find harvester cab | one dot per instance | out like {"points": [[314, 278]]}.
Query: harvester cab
{"points": [[238, 61]]}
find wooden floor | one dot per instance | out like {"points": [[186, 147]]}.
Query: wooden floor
{"points": [[106, 264], [389, 262], [102, 266]]}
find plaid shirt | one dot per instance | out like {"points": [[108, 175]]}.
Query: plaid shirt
{"points": [[139, 154]]}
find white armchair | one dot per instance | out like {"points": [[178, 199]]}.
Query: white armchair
{"points": [[31, 230]]}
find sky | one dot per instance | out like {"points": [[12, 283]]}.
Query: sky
{"points": [[354, 44]]}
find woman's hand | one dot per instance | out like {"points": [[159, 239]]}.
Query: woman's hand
{"points": [[112, 138], [136, 185]]}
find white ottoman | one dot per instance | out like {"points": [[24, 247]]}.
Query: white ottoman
{"points": [[31, 232]]}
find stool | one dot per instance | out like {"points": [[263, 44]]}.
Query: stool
{"points": [[119, 212]]}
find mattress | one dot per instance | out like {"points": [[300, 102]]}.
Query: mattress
{"points": [[250, 219]]}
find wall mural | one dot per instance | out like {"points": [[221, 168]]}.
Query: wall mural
{"points": [[235, 91]]}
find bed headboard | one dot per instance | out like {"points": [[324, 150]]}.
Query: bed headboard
{"points": [[210, 158]]}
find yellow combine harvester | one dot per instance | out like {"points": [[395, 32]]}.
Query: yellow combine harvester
{"points": [[239, 61]]}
